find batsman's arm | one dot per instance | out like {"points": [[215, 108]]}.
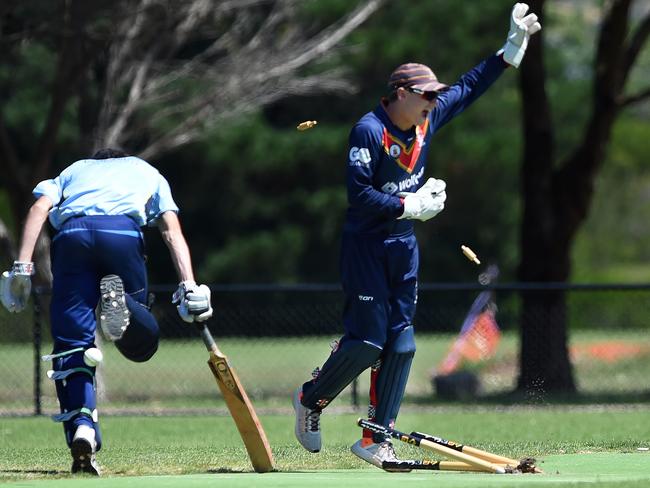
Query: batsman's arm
{"points": [[193, 300], [170, 229], [16, 284], [33, 224]]}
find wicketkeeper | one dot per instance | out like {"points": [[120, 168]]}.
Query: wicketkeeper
{"points": [[387, 191], [97, 206]]}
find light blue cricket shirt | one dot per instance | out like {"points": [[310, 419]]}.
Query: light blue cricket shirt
{"points": [[119, 186]]}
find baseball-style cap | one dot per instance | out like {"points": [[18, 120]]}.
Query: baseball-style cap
{"points": [[414, 75]]}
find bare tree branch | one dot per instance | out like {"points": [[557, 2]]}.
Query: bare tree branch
{"points": [[208, 116], [608, 78], [328, 38], [635, 98], [635, 46], [253, 57], [132, 103]]}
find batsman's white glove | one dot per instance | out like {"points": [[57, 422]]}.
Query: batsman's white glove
{"points": [[193, 301], [16, 285], [522, 26], [425, 203]]}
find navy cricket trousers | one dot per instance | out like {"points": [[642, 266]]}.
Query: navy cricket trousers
{"points": [[83, 251]]}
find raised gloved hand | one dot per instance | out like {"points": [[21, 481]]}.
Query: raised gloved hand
{"points": [[193, 301], [522, 26], [16, 285], [425, 203]]}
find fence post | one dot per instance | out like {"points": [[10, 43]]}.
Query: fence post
{"points": [[355, 392], [36, 333]]}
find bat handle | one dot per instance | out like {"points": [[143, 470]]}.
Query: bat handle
{"points": [[208, 340]]}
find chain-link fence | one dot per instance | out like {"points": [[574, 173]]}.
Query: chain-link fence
{"points": [[275, 335]]}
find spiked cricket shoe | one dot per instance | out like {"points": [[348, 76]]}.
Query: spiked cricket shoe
{"points": [[114, 316], [83, 451], [307, 424], [373, 453]]}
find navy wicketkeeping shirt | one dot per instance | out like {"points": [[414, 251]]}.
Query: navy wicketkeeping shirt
{"points": [[384, 160]]}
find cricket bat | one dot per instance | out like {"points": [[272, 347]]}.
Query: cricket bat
{"points": [[240, 407]]}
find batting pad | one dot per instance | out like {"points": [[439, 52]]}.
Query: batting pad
{"points": [[346, 363]]}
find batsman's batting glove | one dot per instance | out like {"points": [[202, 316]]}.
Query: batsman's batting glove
{"points": [[193, 301], [522, 26], [16, 285]]}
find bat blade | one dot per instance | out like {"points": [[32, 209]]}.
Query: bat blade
{"points": [[242, 411]]}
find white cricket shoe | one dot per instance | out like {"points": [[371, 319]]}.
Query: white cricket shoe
{"points": [[307, 424], [83, 451], [114, 316], [373, 453]]}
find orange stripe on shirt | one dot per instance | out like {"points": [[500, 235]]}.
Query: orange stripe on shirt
{"points": [[408, 156]]}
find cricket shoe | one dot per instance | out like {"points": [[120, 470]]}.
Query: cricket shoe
{"points": [[114, 316], [83, 451], [307, 424], [374, 453]]}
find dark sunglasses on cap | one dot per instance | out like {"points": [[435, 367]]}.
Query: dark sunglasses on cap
{"points": [[429, 96]]}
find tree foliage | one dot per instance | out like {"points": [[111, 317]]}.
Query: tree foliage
{"points": [[211, 93], [149, 76]]}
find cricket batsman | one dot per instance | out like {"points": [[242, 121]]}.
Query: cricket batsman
{"points": [[96, 207], [387, 191]]}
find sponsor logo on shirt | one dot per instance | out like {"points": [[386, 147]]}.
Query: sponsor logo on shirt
{"points": [[389, 188], [359, 156], [403, 185]]}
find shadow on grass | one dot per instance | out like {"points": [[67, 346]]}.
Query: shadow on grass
{"points": [[33, 471], [226, 471], [537, 398]]}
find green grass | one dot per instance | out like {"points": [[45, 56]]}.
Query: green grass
{"points": [[595, 444], [177, 376]]}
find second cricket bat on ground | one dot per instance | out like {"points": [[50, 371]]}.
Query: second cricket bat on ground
{"points": [[240, 407]]}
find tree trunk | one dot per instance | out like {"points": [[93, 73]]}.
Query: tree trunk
{"points": [[557, 198], [545, 255], [7, 247]]}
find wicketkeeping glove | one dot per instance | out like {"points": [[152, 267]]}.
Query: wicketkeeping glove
{"points": [[16, 285], [433, 206], [193, 301], [425, 203], [522, 26], [413, 205], [433, 186]]}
